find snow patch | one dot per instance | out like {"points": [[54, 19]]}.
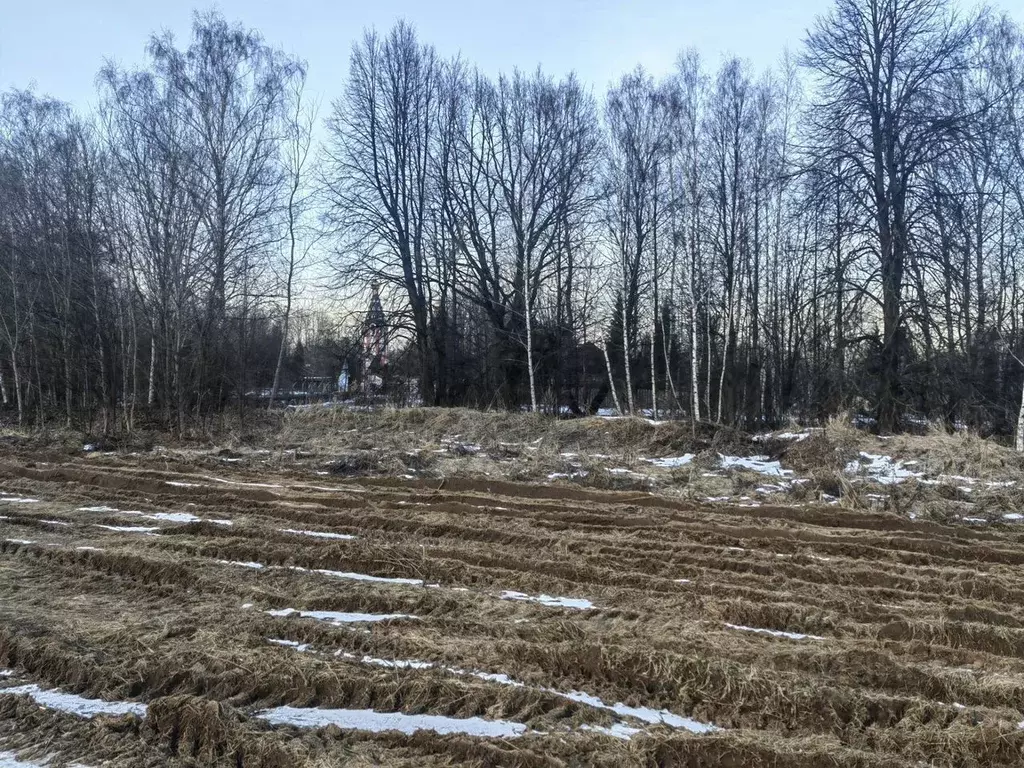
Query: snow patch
{"points": [[341, 617], [671, 462], [174, 517], [554, 602], [16, 500], [247, 485], [76, 705], [378, 722], [10, 760], [882, 469], [247, 564], [367, 577], [759, 464], [391, 664], [318, 534], [646, 714], [794, 436], [300, 647], [97, 509], [618, 730], [130, 528], [775, 632]]}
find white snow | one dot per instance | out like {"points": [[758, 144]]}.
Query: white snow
{"points": [[130, 528], [683, 581], [554, 602], [671, 462], [318, 534], [775, 632], [301, 647], [97, 509], [16, 500], [881, 469], [566, 475], [369, 720], [795, 436], [20, 541], [174, 517], [340, 617], [246, 564], [76, 705], [646, 714], [9, 760], [181, 484], [235, 482], [392, 663], [6, 673], [89, 549], [618, 730], [1013, 516], [760, 464], [367, 577]]}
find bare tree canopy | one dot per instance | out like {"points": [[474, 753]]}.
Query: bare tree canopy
{"points": [[839, 234]]}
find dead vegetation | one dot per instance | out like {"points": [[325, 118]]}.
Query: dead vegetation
{"points": [[838, 622]]}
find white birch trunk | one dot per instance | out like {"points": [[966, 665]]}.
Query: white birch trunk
{"points": [[151, 395], [611, 379], [654, 381], [1018, 438], [529, 336], [626, 356], [694, 358]]}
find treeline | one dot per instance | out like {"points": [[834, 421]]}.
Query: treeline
{"points": [[842, 232]]}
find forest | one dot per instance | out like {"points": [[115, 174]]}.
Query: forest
{"points": [[840, 234]]}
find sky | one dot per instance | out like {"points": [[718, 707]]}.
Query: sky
{"points": [[60, 45]]}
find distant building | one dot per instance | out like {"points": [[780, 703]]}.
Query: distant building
{"points": [[375, 344]]}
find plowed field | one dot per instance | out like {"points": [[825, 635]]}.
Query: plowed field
{"points": [[278, 619]]}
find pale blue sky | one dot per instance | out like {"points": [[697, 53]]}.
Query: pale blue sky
{"points": [[61, 44]]}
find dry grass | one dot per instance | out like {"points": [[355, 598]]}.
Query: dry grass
{"points": [[918, 615]]}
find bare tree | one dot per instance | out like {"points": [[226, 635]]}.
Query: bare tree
{"points": [[378, 172], [881, 66], [300, 240]]}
